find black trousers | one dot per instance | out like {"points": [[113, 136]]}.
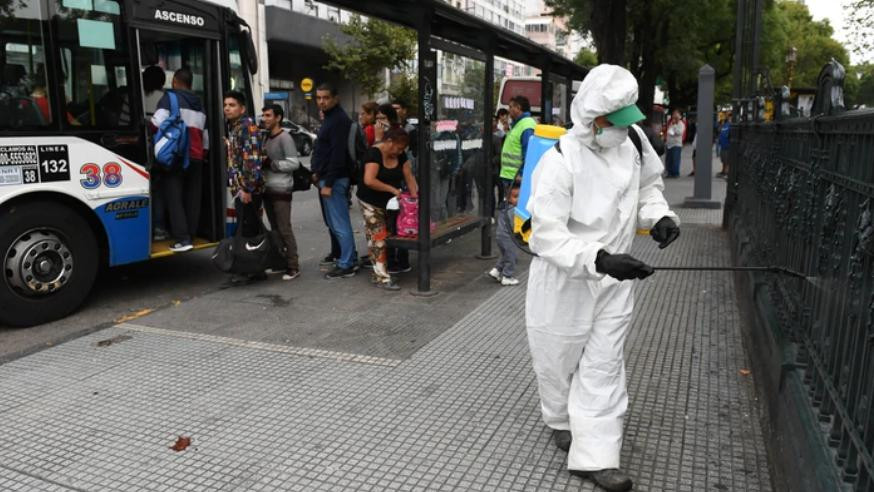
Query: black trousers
{"points": [[183, 191], [249, 215], [397, 257]]}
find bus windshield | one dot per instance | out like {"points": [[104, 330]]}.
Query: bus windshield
{"points": [[24, 95]]}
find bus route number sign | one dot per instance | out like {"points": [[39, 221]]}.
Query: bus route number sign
{"points": [[29, 164]]}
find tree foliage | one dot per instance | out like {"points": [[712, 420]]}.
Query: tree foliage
{"points": [[374, 46], [405, 87], [789, 25], [672, 39], [860, 25], [586, 58], [657, 39]]}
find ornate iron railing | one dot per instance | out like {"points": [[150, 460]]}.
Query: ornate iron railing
{"points": [[802, 196]]}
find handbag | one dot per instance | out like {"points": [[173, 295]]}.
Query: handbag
{"points": [[408, 218], [302, 179], [250, 255]]}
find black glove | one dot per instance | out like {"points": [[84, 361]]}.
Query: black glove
{"points": [[665, 231], [621, 266]]}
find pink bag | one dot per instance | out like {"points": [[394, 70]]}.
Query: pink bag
{"points": [[408, 218]]}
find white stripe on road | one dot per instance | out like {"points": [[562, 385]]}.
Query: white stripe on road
{"points": [[270, 347]]}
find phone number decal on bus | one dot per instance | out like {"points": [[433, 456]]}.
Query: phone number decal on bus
{"points": [[29, 164]]}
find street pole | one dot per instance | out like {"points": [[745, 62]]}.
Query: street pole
{"points": [[488, 198], [704, 149]]}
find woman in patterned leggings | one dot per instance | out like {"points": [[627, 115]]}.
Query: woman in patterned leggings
{"points": [[386, 169]]}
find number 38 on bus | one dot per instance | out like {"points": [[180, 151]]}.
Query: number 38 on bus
{"points": [[77, 186]]}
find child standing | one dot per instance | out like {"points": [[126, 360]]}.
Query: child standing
{"points": [[506, 266]]}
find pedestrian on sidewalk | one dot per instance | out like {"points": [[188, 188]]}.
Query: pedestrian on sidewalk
{"points": [[245, 178], [281, 160], [386, 170], [506, 266], [182, 187], [367, 120], [516, 141], [332, 165], [590, 194], [676, 130], [723, 143]]}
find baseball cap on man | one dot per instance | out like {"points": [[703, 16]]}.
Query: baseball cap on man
{"points": [[626, 116]]}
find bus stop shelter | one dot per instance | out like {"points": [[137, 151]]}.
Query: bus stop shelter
{"points": [[442, 27]]}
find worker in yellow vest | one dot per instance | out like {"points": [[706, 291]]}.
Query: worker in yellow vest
{"points": [[516, 141]]}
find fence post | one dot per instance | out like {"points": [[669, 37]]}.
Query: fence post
{"points": [[704, 149]]}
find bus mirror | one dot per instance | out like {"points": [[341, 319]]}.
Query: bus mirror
{"points": [[252, 58]]}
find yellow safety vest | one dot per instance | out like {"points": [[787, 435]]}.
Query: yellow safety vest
{"points": [[511, 153]]}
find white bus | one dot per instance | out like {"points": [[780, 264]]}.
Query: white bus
{"points": [[75, 184]]}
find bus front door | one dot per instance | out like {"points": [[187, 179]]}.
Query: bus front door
{"points": [[186, 203]]}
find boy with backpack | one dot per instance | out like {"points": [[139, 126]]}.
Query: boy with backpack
{"points": [[181, 141]]}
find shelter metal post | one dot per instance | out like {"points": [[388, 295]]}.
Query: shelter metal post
{"points": [[427, 109], [488, 197], [568, 98], [545, 94]]}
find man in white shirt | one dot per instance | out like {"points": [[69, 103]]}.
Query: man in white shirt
{"points": [[676, 131]]}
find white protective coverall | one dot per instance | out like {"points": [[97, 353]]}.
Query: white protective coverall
{"points": [[583, 200]]}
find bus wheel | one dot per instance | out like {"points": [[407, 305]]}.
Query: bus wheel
{"points": [[49, 258]]}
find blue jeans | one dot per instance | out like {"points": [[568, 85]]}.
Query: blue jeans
{"points": [[672, 160], [337, 214]]}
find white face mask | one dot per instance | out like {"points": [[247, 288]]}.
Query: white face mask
{"points": [[610, 136]]}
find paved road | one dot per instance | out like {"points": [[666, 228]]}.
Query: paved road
{"points": [[158, 284]]}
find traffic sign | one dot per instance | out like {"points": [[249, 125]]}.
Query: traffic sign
{"points": [[306, 85]]}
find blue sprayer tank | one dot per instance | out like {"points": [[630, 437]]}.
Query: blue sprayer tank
{"points": [[544, 138]]}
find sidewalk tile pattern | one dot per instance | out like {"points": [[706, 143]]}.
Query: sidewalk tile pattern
{"points": [[461, 414]]}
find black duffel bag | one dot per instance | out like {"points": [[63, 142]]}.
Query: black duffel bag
{"points": [[250, 255]]}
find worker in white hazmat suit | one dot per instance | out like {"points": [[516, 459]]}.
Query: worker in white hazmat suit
{"points": [[589, 195]]}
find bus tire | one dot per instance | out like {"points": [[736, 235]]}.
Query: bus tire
{"points": [[65, 258]]}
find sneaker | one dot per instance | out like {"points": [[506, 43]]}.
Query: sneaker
{"points": [[495, 274], [390, 286], [328, 260], [290, 274], [366, 264], [338, 272], [509, 281], [181, 246]]}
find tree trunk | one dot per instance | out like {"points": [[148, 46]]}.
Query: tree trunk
{"points": [[608, 30]]}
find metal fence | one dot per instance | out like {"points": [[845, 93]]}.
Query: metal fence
{"points": [[801, 196]]}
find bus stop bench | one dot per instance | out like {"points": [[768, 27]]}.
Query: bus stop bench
{"points": [[446, 231]]}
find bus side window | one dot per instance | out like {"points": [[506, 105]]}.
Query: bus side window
{"points": [[94, 62], [24, 99]]}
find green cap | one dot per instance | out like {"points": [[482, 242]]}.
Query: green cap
{"points": [[626, 116]]}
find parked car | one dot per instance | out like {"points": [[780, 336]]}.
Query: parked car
{"points": [[304, 139]]}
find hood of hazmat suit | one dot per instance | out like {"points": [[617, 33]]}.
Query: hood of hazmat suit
{"points": [[585, 199]]}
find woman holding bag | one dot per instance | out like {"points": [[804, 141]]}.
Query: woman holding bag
{"points": [[386, 169]]}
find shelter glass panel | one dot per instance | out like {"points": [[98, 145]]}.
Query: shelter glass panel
{"points": [[560, 101], [457, 159]]}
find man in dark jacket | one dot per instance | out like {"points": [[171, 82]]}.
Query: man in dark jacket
{"points": [[331, 166]]}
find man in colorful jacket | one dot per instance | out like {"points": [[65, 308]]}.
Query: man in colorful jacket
{"points": [[245, 179], [516, 141]]}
